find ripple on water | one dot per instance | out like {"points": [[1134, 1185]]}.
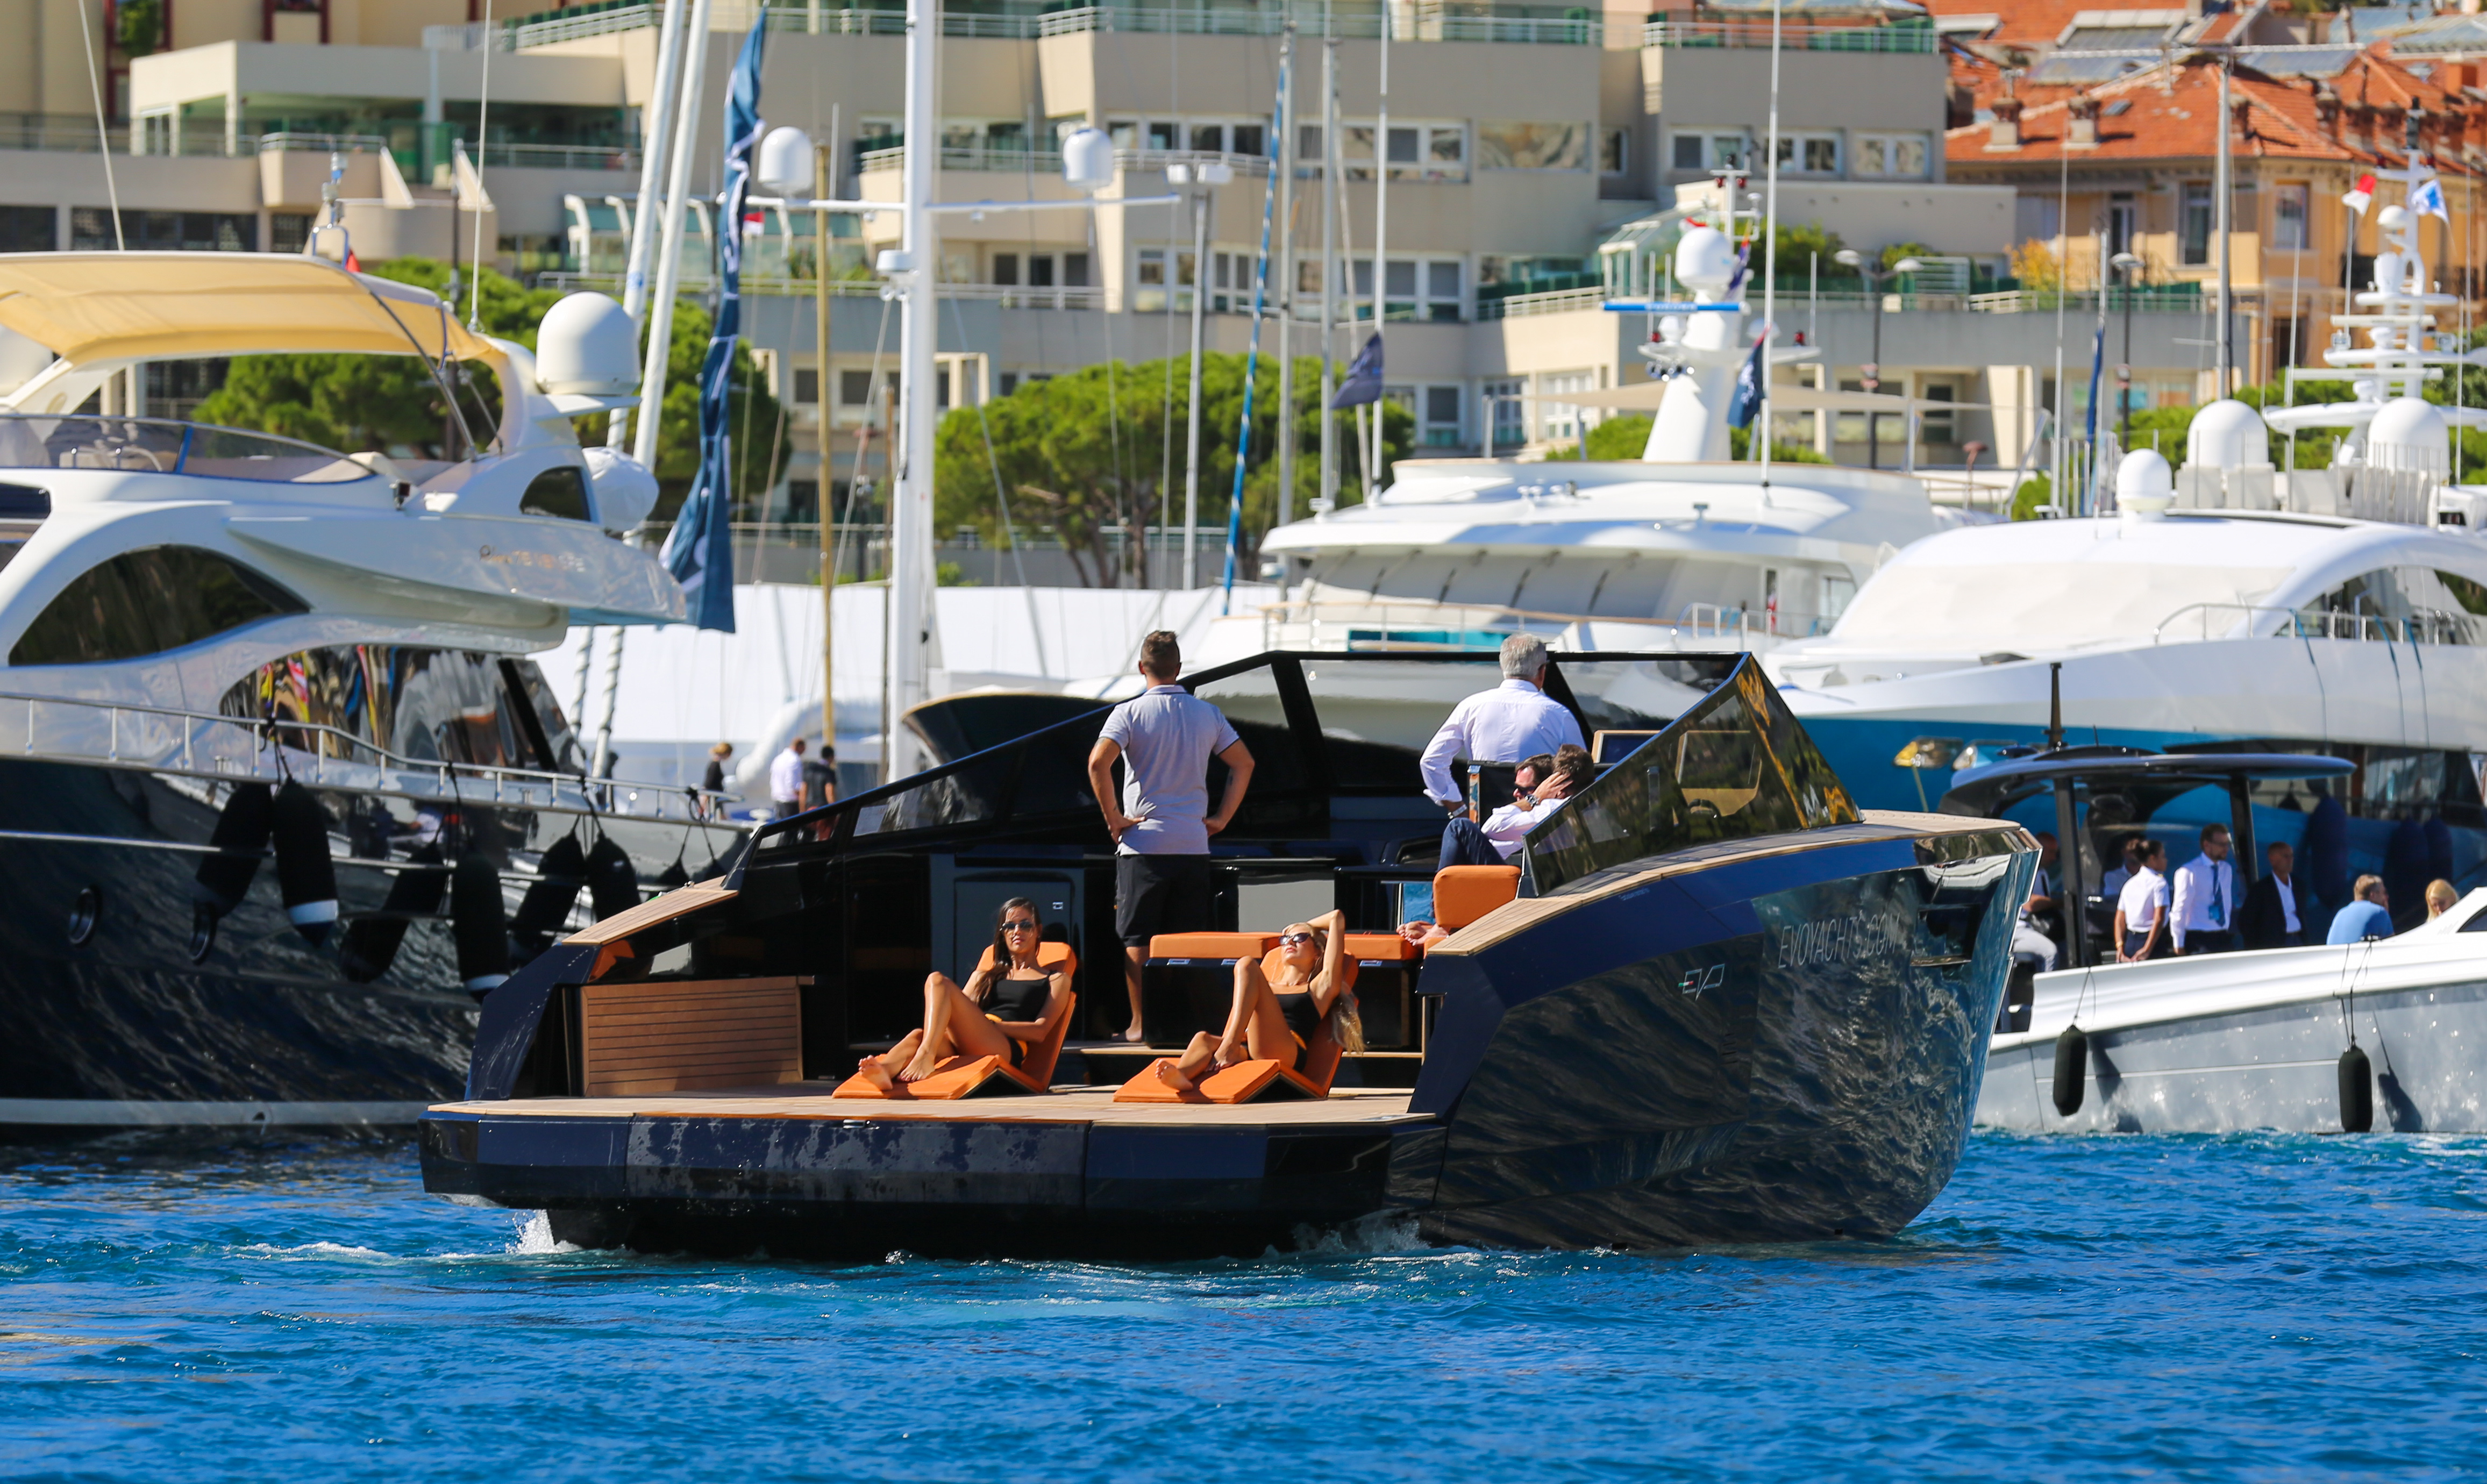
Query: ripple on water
{"points": [[2250, 1306]]}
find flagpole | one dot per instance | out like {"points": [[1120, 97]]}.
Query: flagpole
{"points": [[669, 247], [652, 138], [1252, 358], [1770, 251]]}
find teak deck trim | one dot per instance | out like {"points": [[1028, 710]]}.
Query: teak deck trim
{"points": [[811, 1101], [1517, 916], [672, 904]]}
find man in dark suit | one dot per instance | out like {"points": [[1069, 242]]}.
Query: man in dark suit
{"points": [[2275, 908]]}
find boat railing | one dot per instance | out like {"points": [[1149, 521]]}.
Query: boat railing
{"points": [[2203, 621], [206, 745]]}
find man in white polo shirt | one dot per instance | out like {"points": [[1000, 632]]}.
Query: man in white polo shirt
{"points": [[2141, 908], [1166, 737], [786, 782], [1515, 719]]}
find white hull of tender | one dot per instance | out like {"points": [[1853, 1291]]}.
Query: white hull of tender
{"points": [[2227, 1042]]}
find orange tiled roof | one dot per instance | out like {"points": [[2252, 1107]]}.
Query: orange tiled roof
{"points": [[2170, 113]]}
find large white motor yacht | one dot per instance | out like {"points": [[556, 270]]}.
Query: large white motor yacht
{"points": [[281, 788]]}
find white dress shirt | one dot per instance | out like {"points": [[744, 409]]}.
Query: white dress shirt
{"points": [[1511, 723], [1509, 826], [2289, 905], [2143, 898], [786, 776], [2205, 898]]}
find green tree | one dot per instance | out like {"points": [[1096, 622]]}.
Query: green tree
{"points": [[1085, 454], [392, 404], [1808, 248]]}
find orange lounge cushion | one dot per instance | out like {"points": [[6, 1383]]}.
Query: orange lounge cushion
{"points": [[1212, 946], [1246, 1081], [1462, 894], [1382, 948], [1049, 957], [953, 1076]]}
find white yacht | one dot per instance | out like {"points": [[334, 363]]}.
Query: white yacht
{"points": [[1679, 549], [2233, 606], [281, 788]]}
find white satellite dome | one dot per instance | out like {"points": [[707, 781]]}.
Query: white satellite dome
{"points": [[1705, 258], [587, 345], [2409, 434], [2227, 434], [2143, 483]]}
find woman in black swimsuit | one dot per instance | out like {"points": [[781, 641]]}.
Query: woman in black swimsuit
{"points": [[1006, 1006], [1276, 1015]]}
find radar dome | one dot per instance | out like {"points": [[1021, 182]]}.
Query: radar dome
{"points": [[2409, 434], [2227, 434], [784, 167], [2142, 483], [626, 492], [1088, 159], [1705, 258], [587, 346]]}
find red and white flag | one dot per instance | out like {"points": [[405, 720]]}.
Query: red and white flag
{"points": [[2361, 195]]}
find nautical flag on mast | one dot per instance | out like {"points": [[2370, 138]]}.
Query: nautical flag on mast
{"points": [[1745, 403], [2426, 199], [1364, 381], [700, 550], [2361, 195]]}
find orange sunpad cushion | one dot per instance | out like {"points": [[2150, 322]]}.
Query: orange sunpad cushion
{"points": [[1210, 945], [1382, 948], [1246, 1082], [1047, 957], [953, 1077], [1462, 894]]}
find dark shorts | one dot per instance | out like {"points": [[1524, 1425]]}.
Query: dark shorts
{"points": [[2224, 941], [1155, 894]]}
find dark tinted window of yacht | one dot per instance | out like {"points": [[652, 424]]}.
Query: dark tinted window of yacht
{"points": [[562, 745], [424, 705], [558, 492], [147, 601], [24, 502]]}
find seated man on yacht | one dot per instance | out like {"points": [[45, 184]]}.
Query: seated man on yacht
{"points": [[1276, 1015], [1514, 721], [1541, 784], [2368, 915], [1009, 1003]]}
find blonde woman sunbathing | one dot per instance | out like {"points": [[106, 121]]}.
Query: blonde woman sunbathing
{"points": [[1276, 1015], [1010, 1003]]}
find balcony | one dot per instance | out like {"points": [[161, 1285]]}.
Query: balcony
{"points": [[1910, 37], [1412, 21]]}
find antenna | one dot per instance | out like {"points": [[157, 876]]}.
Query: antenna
{"points": [[2054, 703]]}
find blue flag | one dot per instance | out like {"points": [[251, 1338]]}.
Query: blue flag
{"points": [[2426, 199], [1745, 403], [700, 550], [1364, 381]]}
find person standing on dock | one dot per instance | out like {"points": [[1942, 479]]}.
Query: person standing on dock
{"points": [[2205, 905], [1514, 721], [1166, 737], [712, 781], [786, 782], [2275, 912], [2141, 908]]}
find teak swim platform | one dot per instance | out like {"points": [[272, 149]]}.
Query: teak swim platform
{"points": [[1709, 1002]]}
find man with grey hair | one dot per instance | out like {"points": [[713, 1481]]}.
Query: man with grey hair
{"points": [[1515, 720]]}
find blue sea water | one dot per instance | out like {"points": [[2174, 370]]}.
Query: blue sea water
{"points": [[2244, 1308]]}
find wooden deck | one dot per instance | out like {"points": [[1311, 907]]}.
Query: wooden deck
{"points": [[811, 1101]]}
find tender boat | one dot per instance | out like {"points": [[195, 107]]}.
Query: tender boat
{"points": [[1710, 1000], [281, 788]]}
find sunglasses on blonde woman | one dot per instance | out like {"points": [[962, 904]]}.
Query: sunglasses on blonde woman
{"points": [[1291, 939]]}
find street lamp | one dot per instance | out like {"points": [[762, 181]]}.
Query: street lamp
{"points": [[2130, 266], [1850, 256]]}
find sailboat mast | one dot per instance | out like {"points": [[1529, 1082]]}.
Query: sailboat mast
{"points": [[2221, 190], [1329, 275], [910, 498], [1286, 297], [1381, 237], [669, 246], [1770, 257], [646, 212]]}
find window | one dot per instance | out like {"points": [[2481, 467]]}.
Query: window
{"points": [[1892, 157], [2038, 219], [2193, 227], [807, 385], [1039, 270], [1559, 422], [559, 494], [2123, 221], [854, 387], [2288, 217], [1208, 138], [1442, 420], [1415, 289], [1075, 271], [1149, 281], [28, 228], [1418, 152], [1230, 282], [1006, 269], [1509, 412], [90, 231], [1614, 151], [1308, 144], [424, 704], [1533, 146], [1803, 154], [1162, 134], [147, 601], [1713, 149], [1247, 139]]}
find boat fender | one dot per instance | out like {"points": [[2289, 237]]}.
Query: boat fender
{"points": [[305, 872], [2072, 1069], [674, 875], [372, 943], [560, 872], [480, 924], [240, 839], [612, 881], [2357, 1091]]}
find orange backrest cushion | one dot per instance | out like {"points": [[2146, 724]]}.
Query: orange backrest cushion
{"points": [[1048, 955], [1210, 945], [1038, 1065], [1462, 894], [1383, 948]]}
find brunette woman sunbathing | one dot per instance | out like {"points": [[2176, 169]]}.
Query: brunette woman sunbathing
{"points": [[1007, 1006], [1275, 1015]]}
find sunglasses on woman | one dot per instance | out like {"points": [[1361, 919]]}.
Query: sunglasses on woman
{"points": [[1020, 924], [1291, 939]]}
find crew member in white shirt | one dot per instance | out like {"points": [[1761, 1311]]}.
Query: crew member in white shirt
{"points": [[1540, 787], [1514, 721], [2205, 904], [2141, 908], [786, 780]]}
